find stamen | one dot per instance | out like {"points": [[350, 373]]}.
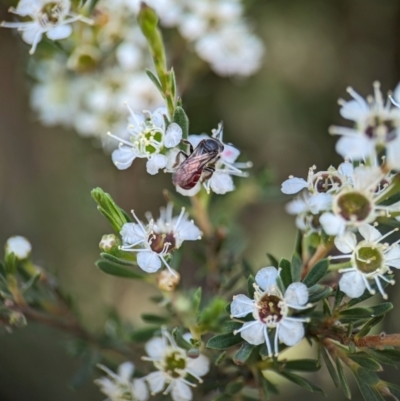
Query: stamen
{"points": [[168, 266], [119, 139], [179, 218], [276, 346], [138, 221], [378, 283], [387, 234], [267, 342]]}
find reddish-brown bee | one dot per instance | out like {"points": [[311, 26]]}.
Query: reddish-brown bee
{"points": [[199, 164]]}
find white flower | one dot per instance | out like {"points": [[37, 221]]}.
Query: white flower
{"points": [[19, 246], [377, 127], [357, 204], [225, 167], [231, 50], [155, 241], [47, 16], [120, 386], [271, 310], [148, 136], [173, 366], [369, 258]]}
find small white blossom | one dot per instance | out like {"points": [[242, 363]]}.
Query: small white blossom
{"points": [[370, 260], [271, 310], [377, 127], [19, 246], [154, 242], [47, 16], [120, 386], [174, 366]]}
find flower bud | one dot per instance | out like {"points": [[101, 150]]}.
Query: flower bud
{"points": [[108, 242], [17, 319], [19, 246], [193, 353], [167, 281]]}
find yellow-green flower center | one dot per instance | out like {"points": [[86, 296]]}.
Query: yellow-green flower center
{"points": [[354, 206], [175, 363], [369, 259]]}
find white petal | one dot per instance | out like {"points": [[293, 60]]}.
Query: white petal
{"points": [[125, 370], [332, 225], [19, 246], [393, 152], [296, 206], [253, 333], [189, 192], [186, 231], [354, 110], [266, 277], [355, 148], [28, 7], [352, 284], [59, 32], [32, 36], [392, 258], [221, 183], [139, 390], [156, 347], [296, 294], [132, 233], [181, 391], [293, 185], [346, 243], [241, 306], [123, 157], [365, 177], [173, 135], [107, 386], [290, 332], [229, 154], [346, 169], [148, 261], [369, 233], [156, 381], [320, 202], [155, 163], [199, 366]]}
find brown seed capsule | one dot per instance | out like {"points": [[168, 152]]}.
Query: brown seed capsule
{"points": [[167, 281]]}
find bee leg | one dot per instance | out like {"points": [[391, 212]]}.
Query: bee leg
{"points": [[186, 142], [207, 173], [178, 158]]}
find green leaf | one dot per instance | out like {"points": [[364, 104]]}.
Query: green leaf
{"points": [[246, 268], [10, 263], [353, 314], [182, 120], [369, 325], [230, 326], [234, 387], [330, 367], [223, 341], [342, 379], [339, 295], [197, 300], [365, 361], [155, 80], [285, 275], [243, 354], [326, 307], [117, 270], [366, 381], [386, 356], [305, 365], [300, 381], [250, 286], [318, 292], [116, 260], [180, 341], [296, 267], [31, 282], [155, 319], [316, 273], [221, 358], [268, 387], [274, 262], [210, 316], [143, 335]]}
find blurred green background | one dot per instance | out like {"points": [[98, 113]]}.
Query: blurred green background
{"points": [[279, 118]]}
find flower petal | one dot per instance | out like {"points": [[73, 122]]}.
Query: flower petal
{"points": [[346, 169], [189, 192], [229, 154], [148, 261], [392, 258], [156, 381], [290, 332], [266, 277], [296, 206], [352, 284], [241, 306], [173, 135], [59, 32], [346, 243], [354, 109], [393, 152], [332, 225], [139, 390], [221, 183], [125, 370], [155, 163], [123, 157], [200, 366], [132, 233], [319, 202], [296, 294], [181, 391], [253, 332], [156, 347], [293, 185], [355, 147], [369, 233]]}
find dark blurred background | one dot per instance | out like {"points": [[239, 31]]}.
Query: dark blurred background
{"points": [[279, 118]]}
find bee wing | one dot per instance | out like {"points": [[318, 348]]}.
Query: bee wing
{"points": [[195, 163]]}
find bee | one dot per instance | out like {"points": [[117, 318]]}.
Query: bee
{"points": [[199, 165]]}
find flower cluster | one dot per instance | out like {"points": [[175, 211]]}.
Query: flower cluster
{"points": [[343, 202]]}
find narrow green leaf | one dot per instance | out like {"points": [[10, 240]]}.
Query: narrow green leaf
{"points": [[330, 367], [366, 380], [300, 381], [223, 341], [296, 267], [116, 260], [143, 335], [318, 292], [250, 286], [386, 356], [155, 80], [369, 325], [304, 365], [246, 268], [342, 379], [155, 319], [268, 387], [31, 282], [316, 273], [117, 270], [365, 313], [274, 262], [326, 307], [11, 263], [197, 300], [182, 120], [221, 358], [339, 295], [243, 354], [230, 326], [285, 275], [180, 341], [365, 361], [234, 387]]}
